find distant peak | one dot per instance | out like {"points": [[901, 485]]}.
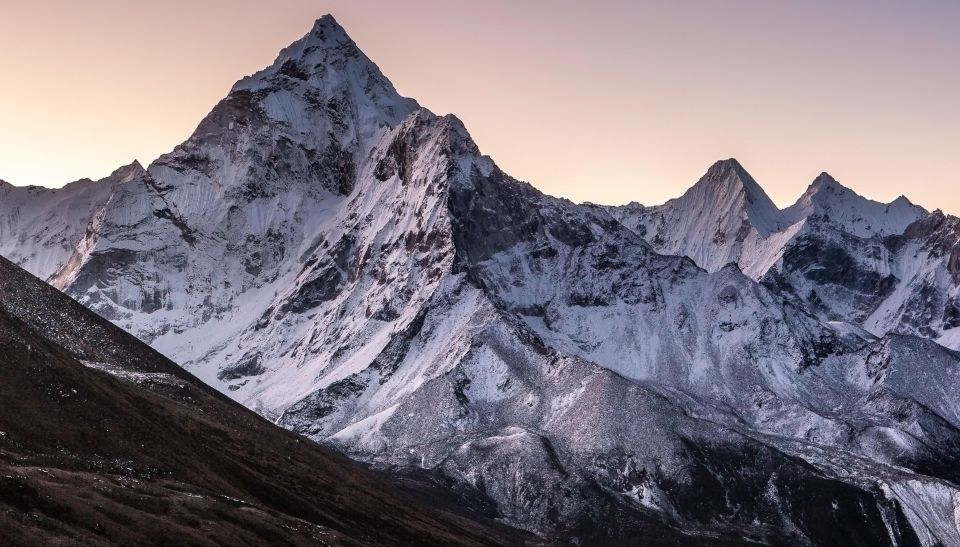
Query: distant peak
{"points": [[723, 168], [829, 200], [729, 175], [729, 187]]}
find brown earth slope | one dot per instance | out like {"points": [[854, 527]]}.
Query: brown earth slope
{"points": [[105, 441]]}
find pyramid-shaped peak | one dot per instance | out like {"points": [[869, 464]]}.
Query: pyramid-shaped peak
{"points": [[324, 67], [824, 178], [729, 177], [327, 31], [325, 38], [729, 174], [726, 167], [728, 170], [728, 190], [325, 52]]}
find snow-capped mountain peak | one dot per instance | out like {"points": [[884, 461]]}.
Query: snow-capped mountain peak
{"points": [[326, 30], [305, 58], [712, 221], [328, 71], [828, 200], [825, 181], [728, 186]]}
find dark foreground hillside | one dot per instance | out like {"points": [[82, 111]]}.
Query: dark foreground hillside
{"points": [[104, 441]]}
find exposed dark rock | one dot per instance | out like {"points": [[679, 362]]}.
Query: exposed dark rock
{"points": [[248, 366], [292, 69], [186, 232]]}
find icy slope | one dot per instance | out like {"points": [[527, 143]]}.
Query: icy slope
{"points": [[563, 445], [553, 308], [905, 283]]}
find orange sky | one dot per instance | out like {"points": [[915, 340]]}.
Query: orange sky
{"points": [[606, 101]]}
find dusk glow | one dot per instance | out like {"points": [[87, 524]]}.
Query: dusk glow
{"points": [[608, 101]]}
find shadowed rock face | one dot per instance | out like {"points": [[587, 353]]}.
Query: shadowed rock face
{"points": [[352, 267], [104, 441]]}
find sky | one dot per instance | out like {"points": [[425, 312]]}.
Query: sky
{"points": [[608, 101]]}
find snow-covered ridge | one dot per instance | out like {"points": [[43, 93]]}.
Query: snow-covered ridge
{"points": [[727, 217], [857, 215], [883, 267], [41, 227]]}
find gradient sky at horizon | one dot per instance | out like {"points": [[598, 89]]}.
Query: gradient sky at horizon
{"points": [[608, 101]]}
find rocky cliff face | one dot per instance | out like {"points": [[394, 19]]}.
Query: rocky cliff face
{"points": [[349, 264]]}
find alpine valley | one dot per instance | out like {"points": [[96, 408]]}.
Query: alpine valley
{"points": [[710, 371]]}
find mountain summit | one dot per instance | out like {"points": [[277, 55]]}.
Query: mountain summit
{"points": [[831, 201], [711, 222], [729, 190], [326, 71]]}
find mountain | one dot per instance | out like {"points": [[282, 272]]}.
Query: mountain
{"points": [[883, 268], [726, 217], [104, 441], [829, 201], [351, 266], [722, 217]]}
